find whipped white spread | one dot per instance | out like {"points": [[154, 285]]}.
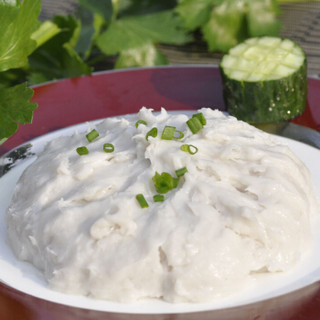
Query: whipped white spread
{"points": [[243, 207]]}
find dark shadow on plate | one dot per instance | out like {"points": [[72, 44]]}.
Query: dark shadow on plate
{"points": [[194, 87]]}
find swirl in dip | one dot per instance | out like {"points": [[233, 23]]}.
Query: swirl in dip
{"points": [[241, 207]]}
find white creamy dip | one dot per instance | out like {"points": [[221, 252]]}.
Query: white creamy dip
{"points": [[242, 208]]}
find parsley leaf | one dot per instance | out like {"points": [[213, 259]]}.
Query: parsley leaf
{"points": [[18, 22], [145, 55], [57, 57], [46, 31], [93, 15], [102, 8], [139, 34], [195, 13], [15, 108]]}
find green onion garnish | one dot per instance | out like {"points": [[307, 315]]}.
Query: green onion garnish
{"points": [[194, 124], [164, 182], [158, 198], [82, 151], [92, 135], [142, 201], [140, 122], [152, 133], [181, 172], [180, 136], [168, 133], [108, 147], [189, 148], [201, 117]]}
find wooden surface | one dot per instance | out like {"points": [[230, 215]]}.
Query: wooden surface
{"points": [[300, 20]]}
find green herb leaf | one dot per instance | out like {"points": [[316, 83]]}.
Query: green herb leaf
{"points": [[18, 22], [164, 182], [195, 13], [15, 108], [139, 33], [146, 55], [57, 57], [103, 8], [90, 26], [93, 15], [46, 31], [129, 7]]}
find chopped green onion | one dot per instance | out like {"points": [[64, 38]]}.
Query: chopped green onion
{"points": [[168, 133], [164, 182], [181, 172], [158, 198], [194, 124], [140, 122], [82, 151], [142, 201], [189, 148], [92, 135], [108, 147], [201, 117], [180, 136], [152, 133]]}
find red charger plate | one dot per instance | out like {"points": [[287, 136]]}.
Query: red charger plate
{"points": [[71, 101]]}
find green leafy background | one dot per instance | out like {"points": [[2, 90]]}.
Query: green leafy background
{"points": [[114, 34]]}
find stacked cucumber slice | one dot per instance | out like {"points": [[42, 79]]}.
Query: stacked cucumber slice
{"points": [[265, 80]]}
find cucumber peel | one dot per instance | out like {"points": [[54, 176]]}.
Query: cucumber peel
{"points": [[265, 80]]}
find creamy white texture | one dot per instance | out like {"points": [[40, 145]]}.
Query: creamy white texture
{"points": [[243, 207]]}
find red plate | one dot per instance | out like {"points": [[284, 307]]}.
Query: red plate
{"points": [[101, 95]]}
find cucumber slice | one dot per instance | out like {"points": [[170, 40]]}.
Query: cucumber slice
{"points": [[265, 80]]}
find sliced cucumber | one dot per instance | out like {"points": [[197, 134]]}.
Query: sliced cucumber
{"points": [[265, 80]]}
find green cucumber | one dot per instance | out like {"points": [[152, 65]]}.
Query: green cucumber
{"points": [[265, 80]]}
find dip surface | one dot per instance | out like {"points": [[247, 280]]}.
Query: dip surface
{"points": [[242, 208]]}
